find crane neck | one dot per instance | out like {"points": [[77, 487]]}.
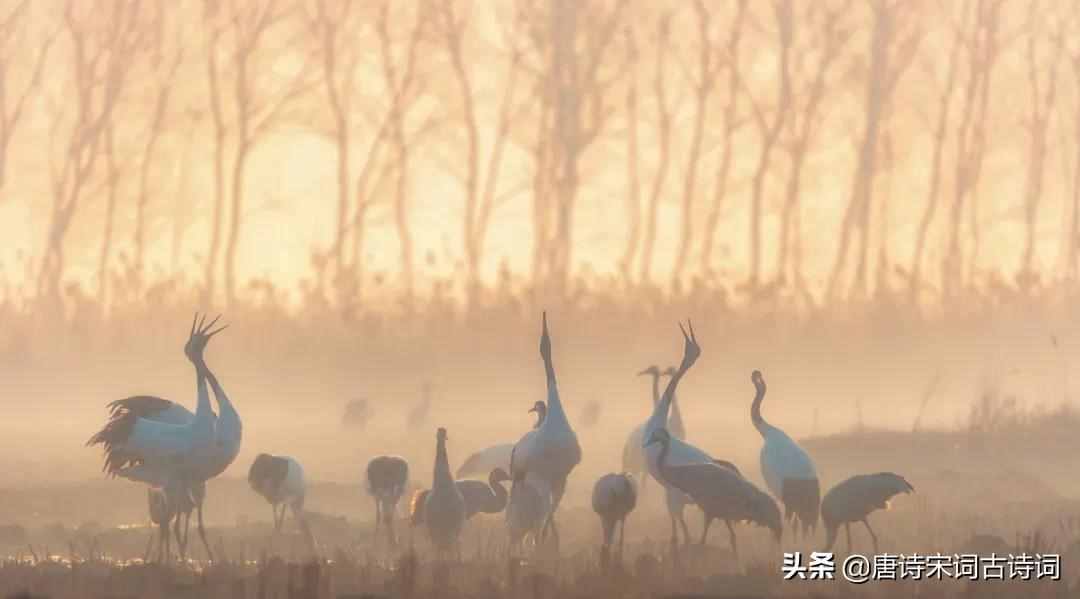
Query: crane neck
{"points": [[675, 421], [655, 388], [661, 460], [442, 477], [204, 414], [760, 424], [501, 496], [555, 412]]}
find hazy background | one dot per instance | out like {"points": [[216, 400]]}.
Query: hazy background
{"points": [[875, 203]]}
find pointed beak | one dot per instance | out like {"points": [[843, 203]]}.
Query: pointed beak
{"points": [[644, 372], [532, 410]]}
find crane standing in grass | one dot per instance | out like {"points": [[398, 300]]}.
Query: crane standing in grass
{"points": [[614, 497], [280, 480], [720, 492], [443, 506], [855, 499], [788, 471], [551, 451], [161, 443], [387, 476]]}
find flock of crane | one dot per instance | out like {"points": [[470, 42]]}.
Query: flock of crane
{"points": [[174, 452]]}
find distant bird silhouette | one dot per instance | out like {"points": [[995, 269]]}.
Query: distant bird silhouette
{"points": [[788, 471], [855, 499], [387, 476], [444, 506], [590, 414], [720, 492], [280, 480], [614, 497], [419, 413], [357, 414], [551, 451], [497, 456]]}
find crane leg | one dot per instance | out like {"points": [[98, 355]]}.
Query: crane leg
{"points": [[298, 514], [674, 532], [685, 529], [622, 536], [165, 537], [847, 529], [149, 546], [873, 537], [378, 518], [731, 534], [202, 533], [180, 549], [705, 531]]}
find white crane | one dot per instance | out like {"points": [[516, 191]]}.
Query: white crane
{"points": [[633, 457], [614, 497], [387, 476], [855, 499], [551, 451], [280, 480], [720, 492], [161, 443], [788, 471], [443, 506], [497, 456], [682, 453]]}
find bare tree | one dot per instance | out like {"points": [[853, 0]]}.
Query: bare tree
{"points": [[831, 35], [404, 87], [248, 27], [941, 135], [17, 48], [663, 116], [893, 42], [480, 188], [572, 40], [983, 47], [164, 63], [770, 128], [1072, 241], [708, 68], [633, 160], [1042, 76], [732, 123], [103, 41]]}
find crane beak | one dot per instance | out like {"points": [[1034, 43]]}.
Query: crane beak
{"points": [[532, 410]]}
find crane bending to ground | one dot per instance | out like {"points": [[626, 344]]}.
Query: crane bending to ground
{"points": [[614, 497], [720, 492], [280, 480], [788, 471], [855, 499], [387, 476], [551, 451]]}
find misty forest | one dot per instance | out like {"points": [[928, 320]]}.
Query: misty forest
{"points": [[874, 205]]}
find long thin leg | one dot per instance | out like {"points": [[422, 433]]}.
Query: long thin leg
{"points": [[873, 536], [685, 529], [847, 529], [622, 536], [202, 533], [674, 531], [165, 535], [179, 538], [378, 518], [298, 514], [149, 546], [731, 534], [705, 531]]}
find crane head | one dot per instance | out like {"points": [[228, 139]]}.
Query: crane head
{"points": [[440, 434], [651, 370], [691, 349], [499, 475], [757, 379], [767, 514]]}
